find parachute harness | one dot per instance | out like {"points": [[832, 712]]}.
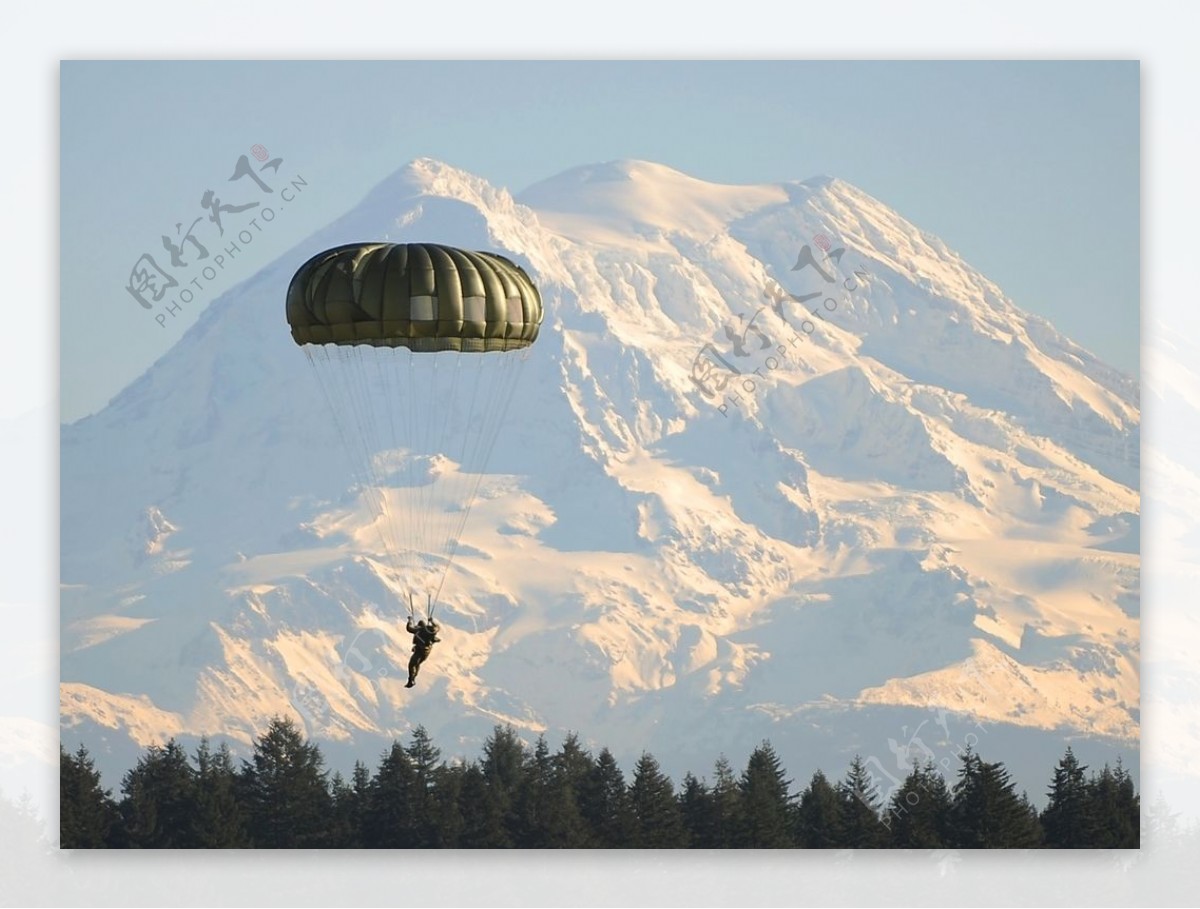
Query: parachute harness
{"points": [[430, 605]]}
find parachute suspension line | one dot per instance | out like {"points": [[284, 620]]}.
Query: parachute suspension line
{"points": [[341, 406], [319, 360], [428, 484], [363, 402], [362, 405], [456, 481], [451, 428], [388, 450], [501, 390], [475, 430], [471, 427], [410, 530], [442, 490], [509, 369]]}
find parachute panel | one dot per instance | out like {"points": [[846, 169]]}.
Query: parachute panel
{"points": [[423, 296]]}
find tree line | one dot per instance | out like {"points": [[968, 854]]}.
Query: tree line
{"points": [[519, 797]]}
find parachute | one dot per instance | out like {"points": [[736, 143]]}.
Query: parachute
{"points": [[417, 348]]}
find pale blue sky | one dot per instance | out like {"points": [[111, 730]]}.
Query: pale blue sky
{"points": [[1030, 170]]}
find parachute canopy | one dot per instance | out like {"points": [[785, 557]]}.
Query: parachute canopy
{"points": [[417, 349], [422, 296]]}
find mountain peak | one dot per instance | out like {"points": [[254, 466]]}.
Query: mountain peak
{"points": [[624, 198], [821, 181], [430, 177]]}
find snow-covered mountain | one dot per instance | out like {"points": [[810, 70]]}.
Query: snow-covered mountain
{"points": [[782, 466]]}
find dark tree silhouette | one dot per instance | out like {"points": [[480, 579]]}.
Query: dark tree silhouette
{"points": [[860, 825], [657, 821], [605, 804], [389, 820], [987, 812], [819, 817], [220, 822], [160, 808], [727, 807], [766, 802], [424, 758], [1068, 820], [444, 818], [503, 768], [570, 769], [482, 817], [696, 810], [88, 816], [534, 797], [517, 796], [285, 790], [1126, 827], [918, 813]]}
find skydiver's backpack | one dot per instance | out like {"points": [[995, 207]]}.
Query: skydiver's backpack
{"points": [[424, 637]]}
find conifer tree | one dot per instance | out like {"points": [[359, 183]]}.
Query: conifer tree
{"points": [[341, 832], [503, 769], [819, 818], [1068, 818], [860, 827], [570, 768], [766, 802], [220, 822], [987, 812], [445, 820], [657, 821], [424, 758], [285, 790], [159, 810], [605, 804], [533, 798], [727, 807], [389, 820], [1129, 806], [88, 816], [918, 813], [696, 809], [483, 821]]}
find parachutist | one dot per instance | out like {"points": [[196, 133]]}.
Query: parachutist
{"points": [[424, 637]]}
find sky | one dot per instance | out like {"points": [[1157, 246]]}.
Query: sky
{"points": [[1028, 169]]}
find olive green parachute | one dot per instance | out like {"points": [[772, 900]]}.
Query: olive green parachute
{"points": [[422, 296], [417, 349]]}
